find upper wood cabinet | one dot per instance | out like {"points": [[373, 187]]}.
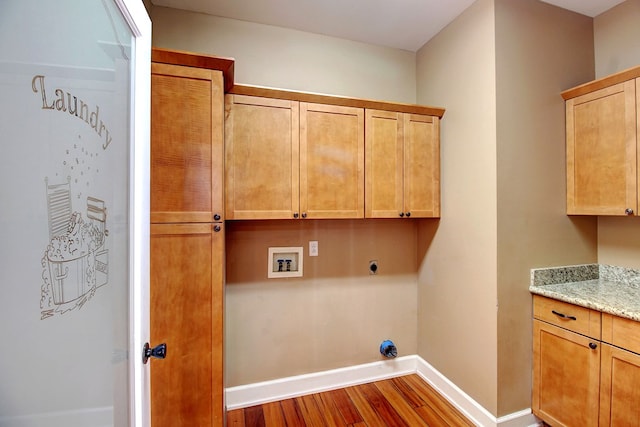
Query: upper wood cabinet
{"points": [[300, 155], [186, 144], [291, 159], [331, 161], [402, 165], [262, 162], [602, 123]]}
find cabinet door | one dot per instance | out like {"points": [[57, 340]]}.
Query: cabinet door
{"points": [[186, 298], [261, 158], [619, 391], [331, 161], [384, 148], [186, 144], [601, 151], [421, 166], [566, 376]]}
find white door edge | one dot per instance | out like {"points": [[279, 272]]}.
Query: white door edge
{"points": [[138, 20]]}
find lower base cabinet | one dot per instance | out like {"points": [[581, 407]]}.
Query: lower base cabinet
{"points": [[582, 380], [620, 387], [186, 313], [566, 376]]}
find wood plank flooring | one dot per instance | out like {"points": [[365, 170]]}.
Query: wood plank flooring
{"points": [[405, 401]]}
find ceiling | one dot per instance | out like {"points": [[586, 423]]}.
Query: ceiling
{"points": [[401, 24]]}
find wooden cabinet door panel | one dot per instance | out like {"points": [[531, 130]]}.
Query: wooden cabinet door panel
{"points": [[331, 161], [384, 148], [421, 165], [619, 391], [601, 151], [183, 102], [566, 376], [186, 314], [262, 158]]}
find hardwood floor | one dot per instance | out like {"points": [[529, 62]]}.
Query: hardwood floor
{"points": [[396, 402]]}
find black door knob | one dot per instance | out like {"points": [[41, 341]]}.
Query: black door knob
{"points": [[157, 352]]}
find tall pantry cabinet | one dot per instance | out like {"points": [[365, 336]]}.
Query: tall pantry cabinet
{"points": [[187, 237]]}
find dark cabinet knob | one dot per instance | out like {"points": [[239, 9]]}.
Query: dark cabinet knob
{"points": [[217, 228], [408, 214], [295, 214], [401, 214], [304, 214], [216, 217], [593, 345], [157, 352], [628, 211]]}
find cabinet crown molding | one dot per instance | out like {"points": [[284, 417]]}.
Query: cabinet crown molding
{"points": [[622, 76], [317, 98], [197, 60]]}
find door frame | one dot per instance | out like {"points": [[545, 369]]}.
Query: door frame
{"points": [[139, 23]]}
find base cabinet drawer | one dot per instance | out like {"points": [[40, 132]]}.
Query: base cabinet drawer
{"points": [[621, 332], [568, 316]]}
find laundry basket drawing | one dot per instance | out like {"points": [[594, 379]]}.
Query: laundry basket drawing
{"points": [[75, 254]]}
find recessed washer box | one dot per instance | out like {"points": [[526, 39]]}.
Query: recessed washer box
{"points": [[284, 262]]}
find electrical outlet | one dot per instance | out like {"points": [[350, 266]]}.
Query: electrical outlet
{"points": [[313, 248], [373, 267]]}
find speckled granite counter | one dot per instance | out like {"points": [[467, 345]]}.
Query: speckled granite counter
{"points": [[614, 290]]}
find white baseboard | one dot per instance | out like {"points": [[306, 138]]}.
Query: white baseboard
{"points": [[93, 417], [285, 388], [469, 407]]}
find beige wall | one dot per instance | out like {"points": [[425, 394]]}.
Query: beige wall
{"points": [[457, 330], [540, 50], [336, 315], [289, 59], [503, 208], [617, 47], [617, 38]]}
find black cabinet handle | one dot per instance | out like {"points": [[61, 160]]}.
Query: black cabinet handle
{"points": [[158, 352], [295, 215], [593, 345], [217, 228], [216, 217], [564, 316]]}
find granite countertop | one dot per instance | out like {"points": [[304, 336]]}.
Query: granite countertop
{"points": [[609, 289]]}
